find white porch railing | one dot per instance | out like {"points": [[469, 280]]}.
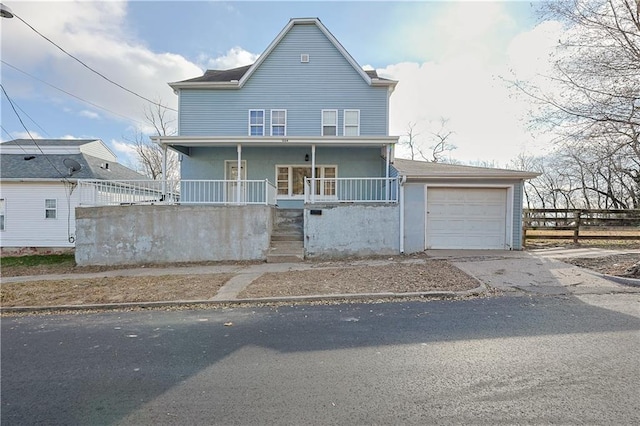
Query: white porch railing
{"points": [[120, 192], [351, 190]]}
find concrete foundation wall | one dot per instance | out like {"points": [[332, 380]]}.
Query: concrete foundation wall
{"points": [[351, 230], [158, 234]]}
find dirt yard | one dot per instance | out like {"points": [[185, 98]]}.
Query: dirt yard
{"points": [[431, 275], [112, 290], [621, 265], [398, 275]]}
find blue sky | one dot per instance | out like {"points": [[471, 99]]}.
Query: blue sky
{"points": [[451, 59]]}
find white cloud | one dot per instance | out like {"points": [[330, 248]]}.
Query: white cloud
{"points": [[25, 135], [463, 79], [235, 57], [485, 118], [129, 155], [529, 52], [96, 33], [89, 114]]}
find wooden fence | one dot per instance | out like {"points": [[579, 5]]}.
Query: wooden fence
{"points": [[563, 224]]}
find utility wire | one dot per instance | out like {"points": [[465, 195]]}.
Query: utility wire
{"points": [[70, 94], [91, 69], [64, 178], [11, 137], [32, 120]]}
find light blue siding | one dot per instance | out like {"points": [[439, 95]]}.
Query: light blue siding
{"points": [[414, 209], [328, 81], [209, 163]]}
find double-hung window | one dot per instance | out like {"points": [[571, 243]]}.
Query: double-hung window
{"points": [[50, 208], [2, 214], [351, 122], [329, 122], [278, 122], [256, 122]]}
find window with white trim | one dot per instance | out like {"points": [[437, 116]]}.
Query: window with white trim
{"points": [[329, 122], [50, 208], [351, 122], [2, 214], [256, 122], [278, 122], [290, 180]]}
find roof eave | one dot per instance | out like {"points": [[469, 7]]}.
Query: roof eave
{"points": [[274, 140], [470, 176], [205, 85]]}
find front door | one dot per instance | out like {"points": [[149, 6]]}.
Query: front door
{"points": [[235, 192]]}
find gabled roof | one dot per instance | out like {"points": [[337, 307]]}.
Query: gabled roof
{"points": [[237, 77], [424, 169], [43, 167]]}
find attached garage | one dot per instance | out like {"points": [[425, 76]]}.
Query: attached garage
{"points": [[445, 206]]}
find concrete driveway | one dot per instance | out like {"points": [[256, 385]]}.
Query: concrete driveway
{"points": [[537, 271]]}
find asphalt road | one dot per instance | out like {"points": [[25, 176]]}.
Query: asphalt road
{"points": [[497, 360]]}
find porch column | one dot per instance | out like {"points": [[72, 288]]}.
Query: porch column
{"points": [[164, 172], [388, 150], [238, 179], [313, 173]]}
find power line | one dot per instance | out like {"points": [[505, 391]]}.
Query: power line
{"points": [[91, 69], [64, 178], [11, 137], [70, 94], [32, 120]]}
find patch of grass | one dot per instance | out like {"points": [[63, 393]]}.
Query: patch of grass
{"points": [[38, 260]]}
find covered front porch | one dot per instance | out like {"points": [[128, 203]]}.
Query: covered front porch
{"points": [[302, 169]]}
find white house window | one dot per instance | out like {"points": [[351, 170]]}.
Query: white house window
{"points": [[256, 122], [352, 122], [2, 213], [278, 122], [329, 122], [290, 180], [50, 208]]}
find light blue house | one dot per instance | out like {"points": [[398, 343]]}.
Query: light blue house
{"points": [[291, 157], [305, 108]]}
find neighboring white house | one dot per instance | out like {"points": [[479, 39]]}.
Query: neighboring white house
{"points": [[38, 189]]}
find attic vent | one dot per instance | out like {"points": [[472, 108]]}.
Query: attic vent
{"points": [[304, 58], [105, 166]]}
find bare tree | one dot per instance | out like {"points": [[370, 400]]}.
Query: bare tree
{"points": [[442, 145], [411, 139], [591, 101], [149, 153]]}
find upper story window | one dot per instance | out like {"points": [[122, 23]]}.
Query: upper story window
{"points": [[329, 122], [351, 122], [50, 208], [278, 122], [2, 214], [256, 122]]}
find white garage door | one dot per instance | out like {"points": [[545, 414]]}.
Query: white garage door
{"points": [[466, 218]]}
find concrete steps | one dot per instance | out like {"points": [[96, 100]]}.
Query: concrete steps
{"points": [[287, 239]]}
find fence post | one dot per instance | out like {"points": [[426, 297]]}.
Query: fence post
{"points": [[576, 231]]}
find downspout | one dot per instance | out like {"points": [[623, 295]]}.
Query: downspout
{"points": [[239, 174], [313, 174], [401, 182]]}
